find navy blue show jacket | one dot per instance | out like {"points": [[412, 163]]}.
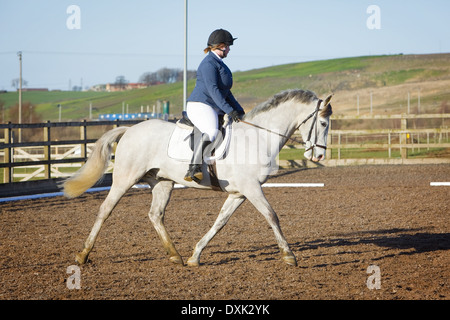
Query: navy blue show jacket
{"points": [[213, 87]]}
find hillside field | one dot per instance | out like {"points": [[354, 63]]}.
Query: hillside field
{"points": [[388, 78]]}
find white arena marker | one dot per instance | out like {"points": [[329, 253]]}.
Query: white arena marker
{"points": [[293, 185], [266, 185], [146, 186], [440, 184]]}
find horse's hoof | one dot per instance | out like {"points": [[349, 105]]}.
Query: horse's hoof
{"points": [[290, 260], [176, 260], [193, 262], [80, 258]]}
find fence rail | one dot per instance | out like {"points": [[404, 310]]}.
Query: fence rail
{"points": [[46, 160], [402, 139]]}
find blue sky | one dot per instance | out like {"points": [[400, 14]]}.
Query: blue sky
{"points": [[132, 37]]}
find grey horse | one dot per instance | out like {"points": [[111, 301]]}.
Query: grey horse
{"points": [[142, 155]]}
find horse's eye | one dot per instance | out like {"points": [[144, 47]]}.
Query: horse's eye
{"points": [[324, 124]]}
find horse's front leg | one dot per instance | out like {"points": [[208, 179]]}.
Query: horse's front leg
{"points": [[257, 198], [231, 204]]}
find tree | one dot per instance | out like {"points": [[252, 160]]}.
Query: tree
{"points": [[150, 78], [29, 114], [191, 74], [15, 83], [121, 81], [166, 75]]}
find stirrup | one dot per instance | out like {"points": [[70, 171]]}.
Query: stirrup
{"points": [[194, 174]]}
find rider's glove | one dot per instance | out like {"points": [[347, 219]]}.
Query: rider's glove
{"points": [[235, 116]]}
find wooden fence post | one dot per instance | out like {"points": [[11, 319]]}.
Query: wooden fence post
{"points": [[83, 138], [47, 151], [339, 147], [389, 145], [7, 173], [328, 151], [403, 142]]}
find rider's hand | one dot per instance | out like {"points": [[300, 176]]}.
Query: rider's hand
{"points": [[234, 115]]}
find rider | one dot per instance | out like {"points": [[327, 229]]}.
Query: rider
{"points": [[211, 97]]}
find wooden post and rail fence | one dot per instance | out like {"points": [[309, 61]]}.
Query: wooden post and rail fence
{"points": [[52, 158], [50, 154], [403, 139]]}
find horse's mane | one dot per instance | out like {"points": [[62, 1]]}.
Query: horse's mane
{"points": [[303, 96]]}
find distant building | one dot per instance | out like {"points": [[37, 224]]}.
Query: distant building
{"points": [[98, 87], [34, 89], [112, 87]]}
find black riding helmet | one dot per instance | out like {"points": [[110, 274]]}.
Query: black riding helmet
{"points": [[220, 36]]}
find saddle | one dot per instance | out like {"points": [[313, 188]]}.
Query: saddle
{"points": [[186, 135], [186, 123]]}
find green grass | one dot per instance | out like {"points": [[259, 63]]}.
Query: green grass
{"points": [[305, 69], [254, 86], [39, 97]]}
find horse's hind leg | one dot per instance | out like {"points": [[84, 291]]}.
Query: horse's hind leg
{"points": [[107, 206], [161, 192]]}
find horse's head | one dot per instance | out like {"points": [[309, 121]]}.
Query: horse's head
{"points": [[316, 133]]}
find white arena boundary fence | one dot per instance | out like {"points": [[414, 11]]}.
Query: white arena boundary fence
{"points": [[178, 186], [35, 167], [146, 186], [265, 185]]}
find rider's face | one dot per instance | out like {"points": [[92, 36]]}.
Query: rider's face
{"points": [[224, 50]]}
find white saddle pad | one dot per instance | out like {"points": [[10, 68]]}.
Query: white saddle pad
{"points": [[180, 149]]}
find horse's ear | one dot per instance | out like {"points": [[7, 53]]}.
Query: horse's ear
{"points": [[327, 101]]}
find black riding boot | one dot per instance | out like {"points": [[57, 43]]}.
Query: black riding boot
{"points": [[195, 168]]}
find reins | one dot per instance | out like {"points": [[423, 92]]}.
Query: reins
{"points": [[313, 114]]}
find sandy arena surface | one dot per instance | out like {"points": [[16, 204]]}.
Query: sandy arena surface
{"points": [[384, 216]]}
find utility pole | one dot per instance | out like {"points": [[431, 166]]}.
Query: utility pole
{"points": [[185, 54], [19, 54]]}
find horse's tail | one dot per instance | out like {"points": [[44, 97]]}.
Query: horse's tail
{"points": [[96, 165]]}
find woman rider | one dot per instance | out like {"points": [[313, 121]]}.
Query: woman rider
{"points": [[211, 98]]}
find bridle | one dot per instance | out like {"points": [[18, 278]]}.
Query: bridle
{"points": [[313, 125]]}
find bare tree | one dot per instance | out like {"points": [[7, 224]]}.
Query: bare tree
{"points": [[121, 81], [166, 75], [15, 83], [150, 78]]}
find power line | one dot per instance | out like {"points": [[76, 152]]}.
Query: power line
{"points": [[117, 54]]}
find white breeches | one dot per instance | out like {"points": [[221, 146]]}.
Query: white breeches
{"points": [[204, 117]]}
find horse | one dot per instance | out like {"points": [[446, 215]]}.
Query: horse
{"points": [[141, 156]]}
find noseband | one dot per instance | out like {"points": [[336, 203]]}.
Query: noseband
{"points": [[313, 125]]}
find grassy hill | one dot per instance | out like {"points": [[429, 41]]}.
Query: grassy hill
{"points": [[388, 78]]}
